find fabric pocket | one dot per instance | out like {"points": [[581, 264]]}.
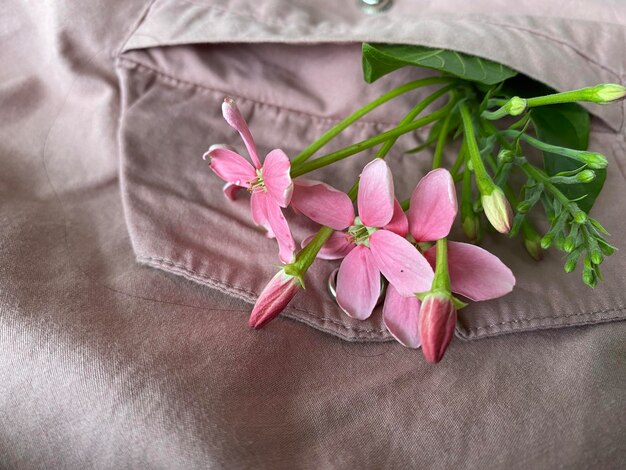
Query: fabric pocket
{"points": [[174, 72]]}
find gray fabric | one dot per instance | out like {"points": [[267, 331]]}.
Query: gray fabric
{"points": [[106, 363]]}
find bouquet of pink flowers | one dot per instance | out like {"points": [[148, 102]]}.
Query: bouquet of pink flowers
{"points": [[401, 249]]}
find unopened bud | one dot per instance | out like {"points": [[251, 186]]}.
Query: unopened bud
{"points": [[569, 245], [572, 261], [471, 227], [437, 322], [497, 209], [546, 241], [506, 156], [596, 256], [589, 277], [593, 160], [274, 298], [532, 243], [607, 93], [586, 176], [580, 217], [515, 106]]}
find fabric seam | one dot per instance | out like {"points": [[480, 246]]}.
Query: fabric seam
{"points": [[181, 83], [251, 296]]}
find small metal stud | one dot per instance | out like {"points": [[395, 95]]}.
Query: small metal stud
{"points": [[332, 287], [372, 7]]}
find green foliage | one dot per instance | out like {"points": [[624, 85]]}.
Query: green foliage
{"points": [[381, 59]]}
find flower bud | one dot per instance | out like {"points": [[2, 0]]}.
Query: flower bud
{"points": [[569, 245], [571, 261], [515, 106], [471, 227], [506, 156], [437, 322], [586, 176], [608, 92], [275, 297], [532, 243], [498, 210], [593, 160]]}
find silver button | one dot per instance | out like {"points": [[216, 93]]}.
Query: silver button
{"points": [[332, 287], [371, 7]]}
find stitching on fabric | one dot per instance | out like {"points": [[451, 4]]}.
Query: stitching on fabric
{"points": [[525, 320], [181, 83], [165, 262]]}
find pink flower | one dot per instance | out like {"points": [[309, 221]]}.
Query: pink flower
{"points": [[270, 183], [374, 243], [437, 321], [275, 297], [474, 273]]}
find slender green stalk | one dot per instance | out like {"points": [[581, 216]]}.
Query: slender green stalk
{"points": [[306, 256], [416, 111], [483, 180], [441, 282], [369, 143], [441, 141], [460, 158], [338, 128]]}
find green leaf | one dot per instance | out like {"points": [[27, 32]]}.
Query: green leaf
{"points": [[381, 59], [567, 125]]}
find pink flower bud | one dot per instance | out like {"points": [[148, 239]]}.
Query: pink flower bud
{"points": [[274, 298], [437, 322], [498, 210]]}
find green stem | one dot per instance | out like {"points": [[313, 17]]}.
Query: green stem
{"points": [[369, 143], [306, 256], [441, 282], [417, 109], [338, 128], [582, 94], [460, 159], [441, 141], [483, 180]]}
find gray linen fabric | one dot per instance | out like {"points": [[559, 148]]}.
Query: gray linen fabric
{"points": [[108, 363]]}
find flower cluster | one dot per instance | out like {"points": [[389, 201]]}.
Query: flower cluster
{"points": [[403, 247], [419, 307]]}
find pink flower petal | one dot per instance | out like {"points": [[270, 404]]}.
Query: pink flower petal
{"points": [[358, 283], [375, 198], [433, 206], [276, 176], [230, 191], [278, 225], [322, 203], [474, 272], [399, 223], [336, 247], [230, 166], [259, 212], [235, 120], [401, 317], [400, 263]]}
